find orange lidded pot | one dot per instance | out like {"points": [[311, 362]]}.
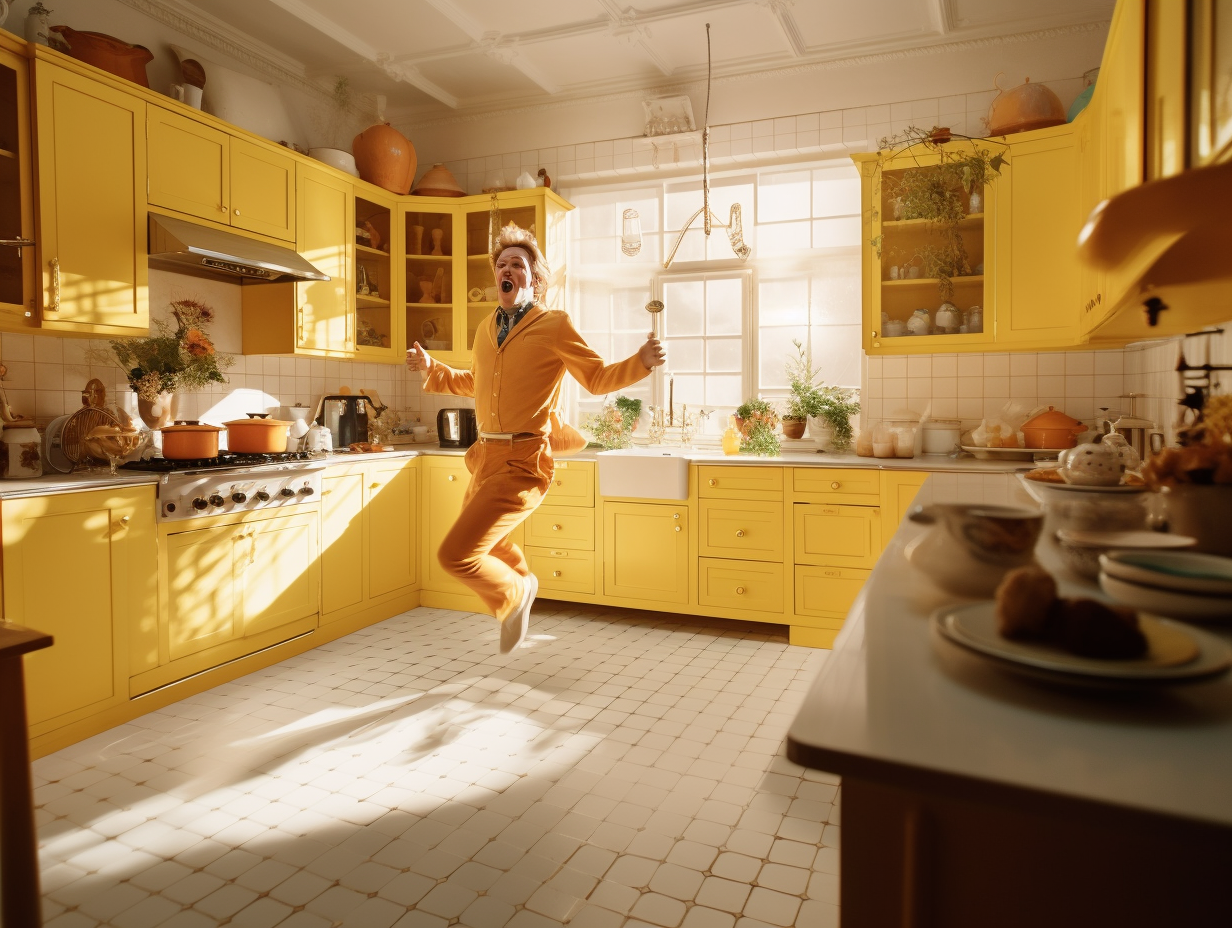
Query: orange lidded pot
{"points": [[189, 440], [257, 435], [1051, 429]]}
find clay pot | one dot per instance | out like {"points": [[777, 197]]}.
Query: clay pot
{"points": [[190, 441], [108, 53], [1051, 429], [793, 428], [257, 436], [385, 157], [438, 181], [1025, 107]]}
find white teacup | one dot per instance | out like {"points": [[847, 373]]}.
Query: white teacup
{"points": [[187, 93]]}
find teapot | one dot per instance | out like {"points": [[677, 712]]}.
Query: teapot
{"points": [[1094, 464], [318, 440]]}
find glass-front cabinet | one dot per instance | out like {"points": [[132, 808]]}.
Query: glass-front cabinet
{"points": [[378, 278], [430, 270], [16, 209], [928, 284]]}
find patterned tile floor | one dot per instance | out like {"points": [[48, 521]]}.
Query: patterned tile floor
{"points": [[622, 769]]}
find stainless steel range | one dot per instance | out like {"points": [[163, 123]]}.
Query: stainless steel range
{"points": [[233, 484]]}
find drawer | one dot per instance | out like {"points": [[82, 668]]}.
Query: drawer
{"points": [[837, 536], [722, 482], [840, 485], [827, 592], [749, 529], [573, 484], [751, 586], [561, 527], [562, 570]]}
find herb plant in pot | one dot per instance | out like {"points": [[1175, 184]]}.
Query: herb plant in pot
{"points": [[804, 400], [756, 418], [831, 426]]}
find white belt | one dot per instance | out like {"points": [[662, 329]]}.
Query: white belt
{"points": [[508, 436]]}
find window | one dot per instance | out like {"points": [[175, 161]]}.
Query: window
{"points": [[728, 326]]}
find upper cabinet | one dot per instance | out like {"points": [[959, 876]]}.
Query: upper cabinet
{"points": [[379, 278], [91, 204], [16, 192], [197, 169]]}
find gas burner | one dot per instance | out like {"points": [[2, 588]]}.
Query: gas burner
{"points": [[224, 459]]}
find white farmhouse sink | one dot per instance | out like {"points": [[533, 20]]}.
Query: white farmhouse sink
{"points": [[644, 473]]}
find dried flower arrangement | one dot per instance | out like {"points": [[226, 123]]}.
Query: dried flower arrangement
{"points": [[176, 358]]}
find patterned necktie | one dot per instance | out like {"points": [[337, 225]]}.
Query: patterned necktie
{"points": [[505, 322]]}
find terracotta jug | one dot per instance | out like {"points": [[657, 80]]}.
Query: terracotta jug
{"points": [[385, 157], [107, 52]]}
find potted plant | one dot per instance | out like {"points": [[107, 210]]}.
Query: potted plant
{"points": [[613, 426], [757, 419], [804, 400], [831, 426], [750, 408]]}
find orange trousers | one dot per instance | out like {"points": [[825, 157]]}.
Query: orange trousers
{"points": [[508, 482]]}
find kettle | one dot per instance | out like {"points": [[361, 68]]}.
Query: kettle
{"points": [[346, 417]]}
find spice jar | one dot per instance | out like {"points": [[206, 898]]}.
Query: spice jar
{"points": [[23, 446]]}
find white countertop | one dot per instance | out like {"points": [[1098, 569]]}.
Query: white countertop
{"points": [[891, 695]]}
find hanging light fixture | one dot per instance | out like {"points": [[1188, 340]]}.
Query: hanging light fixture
{"points": [[631, 233], [734, 227]]}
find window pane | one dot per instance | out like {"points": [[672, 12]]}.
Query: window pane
{"points": [[723, 355], [685, 354], [843, 232], [836, 192], [680, 202], [783, 196], [597, 250], [682, 307], [836, 354], [690, 388], [782, 238], [783, 302], [836, 291], [723, 390], [724, 304], [776, 350], [629, 311], [594, 221]]}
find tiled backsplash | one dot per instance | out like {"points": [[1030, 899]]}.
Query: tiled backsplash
{"points": [[1150, 370], [973, 386]]}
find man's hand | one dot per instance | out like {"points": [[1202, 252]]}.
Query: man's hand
{"points": [[651, 354], [418, 360]]}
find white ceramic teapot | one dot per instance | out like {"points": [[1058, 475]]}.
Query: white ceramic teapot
{"points": [[1092, 465], [319, 439]]}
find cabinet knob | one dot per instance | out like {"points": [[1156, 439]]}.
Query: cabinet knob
{"points": [[124, 520], [835, 485], [677, 528], [556, 528], [556, 573], [739, 591], [739, 533], [221, 208], [873, 333], [237, 212], [374, 486], [675, 515], [453, 477], [558, 483], [713, 482]]}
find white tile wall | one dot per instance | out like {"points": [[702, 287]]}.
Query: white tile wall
{"points": [[1150, 372]]}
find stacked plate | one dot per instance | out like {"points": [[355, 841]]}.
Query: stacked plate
{"points": [[1178, 584]]}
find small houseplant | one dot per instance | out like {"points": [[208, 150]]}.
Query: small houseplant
{"points": [[613, 426], [804, 400], [756, 418], [831, 427]]}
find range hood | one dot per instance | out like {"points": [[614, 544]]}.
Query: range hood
{"points": [[178, 245]]}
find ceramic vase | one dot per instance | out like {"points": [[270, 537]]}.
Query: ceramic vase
{"points": [[38, 25], [822, 432], [159, 412], [437, 235], [385, 157], [415, 245]]}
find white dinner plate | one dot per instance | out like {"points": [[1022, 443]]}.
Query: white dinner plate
{"points": [[1171, 603], [1177, 652], [1010, 454], [53, 447], [1183, 571]]}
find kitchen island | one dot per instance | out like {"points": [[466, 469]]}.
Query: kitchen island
{"points": [[975, 797]]}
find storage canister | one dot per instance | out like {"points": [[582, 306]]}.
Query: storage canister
{"points": [[940, 435], [23, 450]]}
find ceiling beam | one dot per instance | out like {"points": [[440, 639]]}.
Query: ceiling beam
{"points": [[495, 45], [781, 10], [941, 12], [625, 25]]}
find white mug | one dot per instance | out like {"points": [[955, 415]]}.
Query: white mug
{"points": [[187, 93]]}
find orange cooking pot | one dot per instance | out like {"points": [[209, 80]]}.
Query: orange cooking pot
{"points": [[1051, 429], [189, 440], [257, 435]]}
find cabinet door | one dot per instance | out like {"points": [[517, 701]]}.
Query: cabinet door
{"points": [[202, 595], [749, 586], [1089, 127], [16, 194], [1122, 77], [827, 592], [751, 530], [279, 574], [1037, 229], [262, 190], [562, 526], [646, 551], [898, 490], [188, 166], [92, 204], [443, 492], [393, 498], [837, 536], [342, 543], [324, 310], [105, 542]]}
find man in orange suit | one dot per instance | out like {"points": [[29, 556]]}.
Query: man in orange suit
{"points": [[520, 357]]}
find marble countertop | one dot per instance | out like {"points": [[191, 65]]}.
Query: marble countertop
{"points": [[892, 695]]}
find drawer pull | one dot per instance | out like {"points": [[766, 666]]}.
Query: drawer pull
{"points": [[713, 482], [124, 520], [556, 528], [739, 533], [677, 528], [675, 515], [453, 477], [54, 304], [558, 483], [556, 573], [739, 591], [835, 485]]}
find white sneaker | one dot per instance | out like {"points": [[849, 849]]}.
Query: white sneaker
{"points": [[513, 629]]}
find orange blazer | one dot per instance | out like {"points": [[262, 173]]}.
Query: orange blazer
{"points": [[516, 385]]}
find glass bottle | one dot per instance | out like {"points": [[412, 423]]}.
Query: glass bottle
{"points": [[731, 438]]}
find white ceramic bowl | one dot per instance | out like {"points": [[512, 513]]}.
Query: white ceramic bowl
{"points": [[1181, 571], [1081, 550], [1168, 603], [335, 157]]}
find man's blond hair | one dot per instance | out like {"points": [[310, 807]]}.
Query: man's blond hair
{"points": [[512, 236]]}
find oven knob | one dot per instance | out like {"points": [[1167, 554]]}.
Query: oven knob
{"points": [[305, 491], [238, 498], [286, 491], [216, 500], [200, 504], [170, 507], [263, 496]]}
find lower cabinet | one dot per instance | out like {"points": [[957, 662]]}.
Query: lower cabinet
{"points": [[749, 586], [646, 552], [837, 536], [562, 570], [827, 592], [79, 566], [445, 481]]}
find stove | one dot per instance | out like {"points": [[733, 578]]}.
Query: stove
{"points": [[233, 484]]}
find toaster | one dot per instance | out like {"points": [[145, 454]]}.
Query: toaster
{"points": [[456, 428]]}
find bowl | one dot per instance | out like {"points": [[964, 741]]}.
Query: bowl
{"points": [[1181, 571], [1168, 603], [969, 548], [1081, 550], [1099, 509], [335, 157]]}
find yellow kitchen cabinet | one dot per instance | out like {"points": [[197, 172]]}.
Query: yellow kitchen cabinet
{"points": [[888, 242], [747, 586], [857, 486], [1039, 284], [16, 191], [106, 540], [827, 593], [91, 204], [646, 552], [562, 570], [560, 536], [561, 526], [380, 279], [1089, 127], [1122, 79], [392, 507], [742, 529], [837, 536], [734, 482], [573, 484], [279, 574], [445, 481], [201, 589], [342, 543], [898, 490], [1164, 111], [262, 189]]}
